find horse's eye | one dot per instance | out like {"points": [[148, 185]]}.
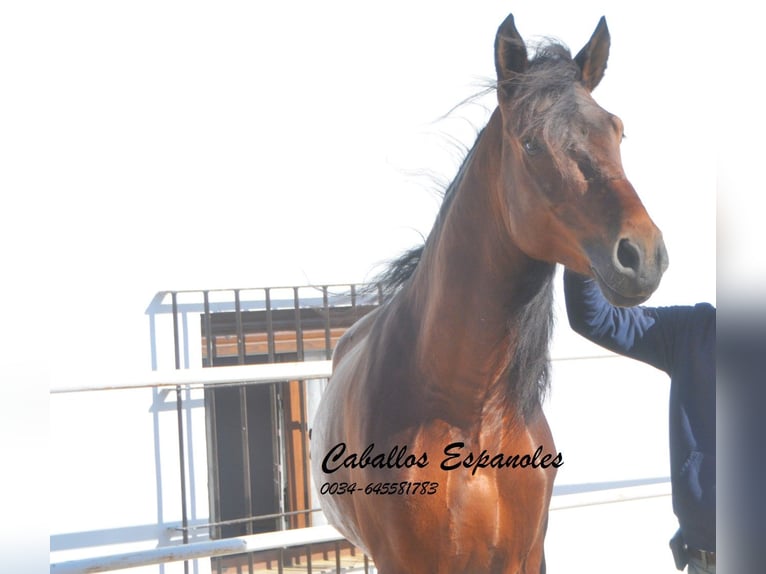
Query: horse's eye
{"points": [[531, 146]]}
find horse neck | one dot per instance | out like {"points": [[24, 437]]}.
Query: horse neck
{"points": [[479, 297]]}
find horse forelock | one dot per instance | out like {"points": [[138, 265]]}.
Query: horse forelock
{"points": [[545, 103]]}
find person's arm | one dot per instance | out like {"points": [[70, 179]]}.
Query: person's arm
{"points": [[637, 332]]}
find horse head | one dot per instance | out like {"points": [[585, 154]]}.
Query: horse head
{"points": [[563, 186]]}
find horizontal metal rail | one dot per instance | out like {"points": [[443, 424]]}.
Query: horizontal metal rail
{"points": [[609, 496], [314, 535], [195, 550], [234, 375]]}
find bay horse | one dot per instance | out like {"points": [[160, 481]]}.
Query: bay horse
{"points": [[430, 449]]}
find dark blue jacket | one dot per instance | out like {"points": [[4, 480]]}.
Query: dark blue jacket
{"points": [[680, 341]]}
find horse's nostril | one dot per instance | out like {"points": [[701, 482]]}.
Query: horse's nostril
{"points": [[628, 255]]}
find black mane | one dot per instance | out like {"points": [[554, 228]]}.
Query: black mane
{"points": [[544, 98], [398, 271], [391, 279], [528, 376]]}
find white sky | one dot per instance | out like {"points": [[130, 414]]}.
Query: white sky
{"points": [[280, 143], [151, 146]]}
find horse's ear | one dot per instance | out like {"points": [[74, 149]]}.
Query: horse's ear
{"points": [[510, 55], [592, 58]]}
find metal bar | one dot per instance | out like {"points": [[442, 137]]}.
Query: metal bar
{"points": [[211, 418], [243, 422], [609, 496], [270, 328], [240, 333], [193, 551], [251, 374], [212, 430], [298, 326], [197, 550], [278, 445], [180, 420], [254, 288], [337, 557], [235, 375], [255, 518], [304, 448], [208, 330], [326, 312], [245, 434]]}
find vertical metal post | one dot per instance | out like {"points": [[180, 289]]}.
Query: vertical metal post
{"points": [[278, 441], [248, 494], [180, 417], [326, 313], [240, 329], [299, 351], [276, 409], [305, 450], [208, 330], [298, 326], [212, 417], [270, 328]]}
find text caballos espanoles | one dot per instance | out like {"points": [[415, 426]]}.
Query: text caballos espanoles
{"points": [[454, 457]]}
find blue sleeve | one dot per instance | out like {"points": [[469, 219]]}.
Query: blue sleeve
{"points": [[642, 333]]}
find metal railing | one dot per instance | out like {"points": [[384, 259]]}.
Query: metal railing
{"points": [[214, 378], [243, 326], [279, 541], [305, 537], [234, 342], [196, 550], [201, 378]]}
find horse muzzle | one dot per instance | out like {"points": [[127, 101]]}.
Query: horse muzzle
{"points": [[631, 271]]}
